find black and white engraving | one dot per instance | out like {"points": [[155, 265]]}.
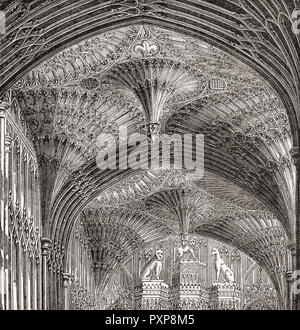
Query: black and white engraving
{"points": [[149, 155]]}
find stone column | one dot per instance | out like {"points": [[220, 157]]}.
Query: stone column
{"points": [[66, 282], [296, 264], [46, 245], [3, 109], [292, 248], [288, 276], [7, 262]]}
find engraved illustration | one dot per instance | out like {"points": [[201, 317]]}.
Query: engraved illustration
{"points": [[149, 156]]}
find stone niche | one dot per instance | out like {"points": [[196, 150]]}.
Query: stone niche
{"points": [[152, 295], [225, 296], [188, 290]]}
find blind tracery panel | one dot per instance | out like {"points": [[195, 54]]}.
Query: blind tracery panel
{"points": [[20, 219], [81, 292]]}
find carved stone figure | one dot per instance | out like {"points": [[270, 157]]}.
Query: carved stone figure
{"points": [[155, 264], [222, 267], [185, 248]]}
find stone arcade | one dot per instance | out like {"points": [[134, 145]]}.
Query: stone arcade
{"points": [[74, 236]]}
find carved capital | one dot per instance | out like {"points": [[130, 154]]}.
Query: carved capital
{"points": [[292, 248], [288, 275], [8, 141], [46, 246], [66, 279], [3, 108], [295, 155]]}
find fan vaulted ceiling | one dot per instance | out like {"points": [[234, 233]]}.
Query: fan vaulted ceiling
{"points": [[142, 74]]}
